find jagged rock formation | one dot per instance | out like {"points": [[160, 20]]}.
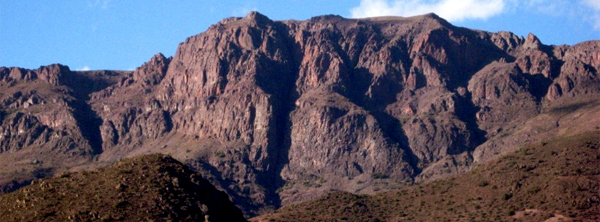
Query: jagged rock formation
{"points": [[47, 124], [275, 112], [152, 187]]}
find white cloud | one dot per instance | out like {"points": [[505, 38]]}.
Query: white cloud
{"points": [[548, 7], [85, 68], [592, 3], [451, 10], [596, 20], [595, 6], [458, 10], [587, 11]]}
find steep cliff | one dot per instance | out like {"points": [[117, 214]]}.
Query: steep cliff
{"points": [[275, 112]]}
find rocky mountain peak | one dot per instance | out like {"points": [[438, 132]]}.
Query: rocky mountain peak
{"points": [[435, 18], [532, 42], [158, 59], [53, 73], [153, 71], [258, 18], [16, 74]]}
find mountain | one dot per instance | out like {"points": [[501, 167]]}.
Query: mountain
{"points": [[151, 187], [555, 180], [47, 124], [279, 112]]}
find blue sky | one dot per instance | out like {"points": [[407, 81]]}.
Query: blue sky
{"points": [[112, 34]]}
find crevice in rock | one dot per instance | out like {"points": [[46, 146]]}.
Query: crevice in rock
{"points": [[284, 121], [466, 112], [360, 80], [392, 129], [88, 121], [284, 98], [538, 85], [168, 121]]}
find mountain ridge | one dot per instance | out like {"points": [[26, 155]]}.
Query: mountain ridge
{"points": [[277, 112]]}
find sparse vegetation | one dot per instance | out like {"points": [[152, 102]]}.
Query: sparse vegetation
{"points": [[153, 187], [534, 189], [220, 154], [483, 183], [380, 176]]}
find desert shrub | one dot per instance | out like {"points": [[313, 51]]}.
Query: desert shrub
{"points": [[379, 176], [483, 183], [220, 154], [511, 211], [534, 190]]}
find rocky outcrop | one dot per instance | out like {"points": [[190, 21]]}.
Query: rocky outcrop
{"points": [[579, 72], [274, 112], [22, 131], [45, 126]]}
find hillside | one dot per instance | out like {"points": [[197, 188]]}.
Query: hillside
{"points": [[279, 112], [147, 188], [555, 180]]}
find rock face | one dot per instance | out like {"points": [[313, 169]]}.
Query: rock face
{"points": [[275, 112], [47, 124]]}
